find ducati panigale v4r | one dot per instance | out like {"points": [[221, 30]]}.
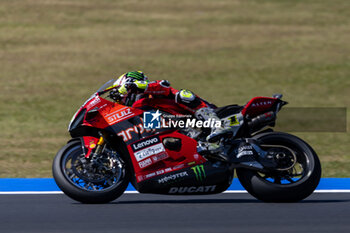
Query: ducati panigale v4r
{"points": [[111, 147]]}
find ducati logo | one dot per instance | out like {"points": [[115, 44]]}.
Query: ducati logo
{"points": [[193, 189]]}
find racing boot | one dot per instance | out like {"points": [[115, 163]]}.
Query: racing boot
{"points": [[229, 129], [214, 148], [220, 130]]}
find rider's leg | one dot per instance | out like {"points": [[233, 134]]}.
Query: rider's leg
{"points": [[229, 127], [190, 101]]}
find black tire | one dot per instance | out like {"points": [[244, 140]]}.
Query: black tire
{"points": [[78, 193], [267, 191]]}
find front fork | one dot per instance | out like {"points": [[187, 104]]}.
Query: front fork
{"points": [[99, 147], [93, 146]]}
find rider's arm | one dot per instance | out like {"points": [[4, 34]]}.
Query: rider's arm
{"points": [[186, 99], [161, 88]]}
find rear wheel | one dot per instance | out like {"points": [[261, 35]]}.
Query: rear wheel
{"points": [[98, 180], [296, 175]]}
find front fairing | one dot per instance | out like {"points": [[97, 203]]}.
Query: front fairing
{"points": [[99, 114], [94, 99], [78, 116], [91, 106]]}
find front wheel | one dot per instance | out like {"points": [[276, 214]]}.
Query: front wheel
{"points": [[98, 180], [296, 177]]}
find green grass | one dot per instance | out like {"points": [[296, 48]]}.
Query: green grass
{"points": [[55, 53]]}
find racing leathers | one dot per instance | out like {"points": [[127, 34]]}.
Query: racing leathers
{"points": [[186, 99]]}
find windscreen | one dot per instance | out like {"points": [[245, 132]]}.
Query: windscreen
{"points": [[107, 85]]}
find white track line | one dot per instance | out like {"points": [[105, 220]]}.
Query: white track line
{"points": [[136, 192], [33, 192], [332, 191]]}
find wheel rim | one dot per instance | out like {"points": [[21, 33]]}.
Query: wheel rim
{"points": [[293, 172], [105, 173]]}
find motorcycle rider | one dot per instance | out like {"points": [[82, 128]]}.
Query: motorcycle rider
{"points": [[136, 82]]}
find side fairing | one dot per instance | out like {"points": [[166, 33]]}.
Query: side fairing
{"points": [[102, 113], [175, 170], [206, 178], [151, 157], [130, 130], [121, 120]]}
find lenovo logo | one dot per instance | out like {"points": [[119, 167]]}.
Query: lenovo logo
{"points": [[141, 145]]}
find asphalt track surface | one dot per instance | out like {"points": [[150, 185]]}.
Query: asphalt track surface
{"points": [[155, 213]]}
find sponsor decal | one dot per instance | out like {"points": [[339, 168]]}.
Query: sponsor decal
{"points": [[94, 102], [258, 104], [159, 157], [199, 172], [137, 129], [92, 145], [146, 143], [178, 166], [160, 172], [149, 151], [144, 177], [193, 189], [172, 177], [245, 150], [246, 147], [150, 175], [126, 134], [120, 114], [243, 153], [169, 169], [140, 178], [103, 106], [145, 163], [233, 121]]}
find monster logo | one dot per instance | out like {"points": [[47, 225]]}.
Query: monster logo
{"points": [[199, 172]]}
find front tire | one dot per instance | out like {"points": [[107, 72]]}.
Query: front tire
{"points": [[282, 186], [71, 173]]}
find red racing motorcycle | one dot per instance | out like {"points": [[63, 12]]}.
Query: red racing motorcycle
{"points": [[113, 145]]}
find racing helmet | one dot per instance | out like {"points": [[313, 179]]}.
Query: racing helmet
{"points": [[130, 77], [136, 77]]}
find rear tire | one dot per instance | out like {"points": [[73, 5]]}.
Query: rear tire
{"points": [[265, 190], [75, 190]]}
